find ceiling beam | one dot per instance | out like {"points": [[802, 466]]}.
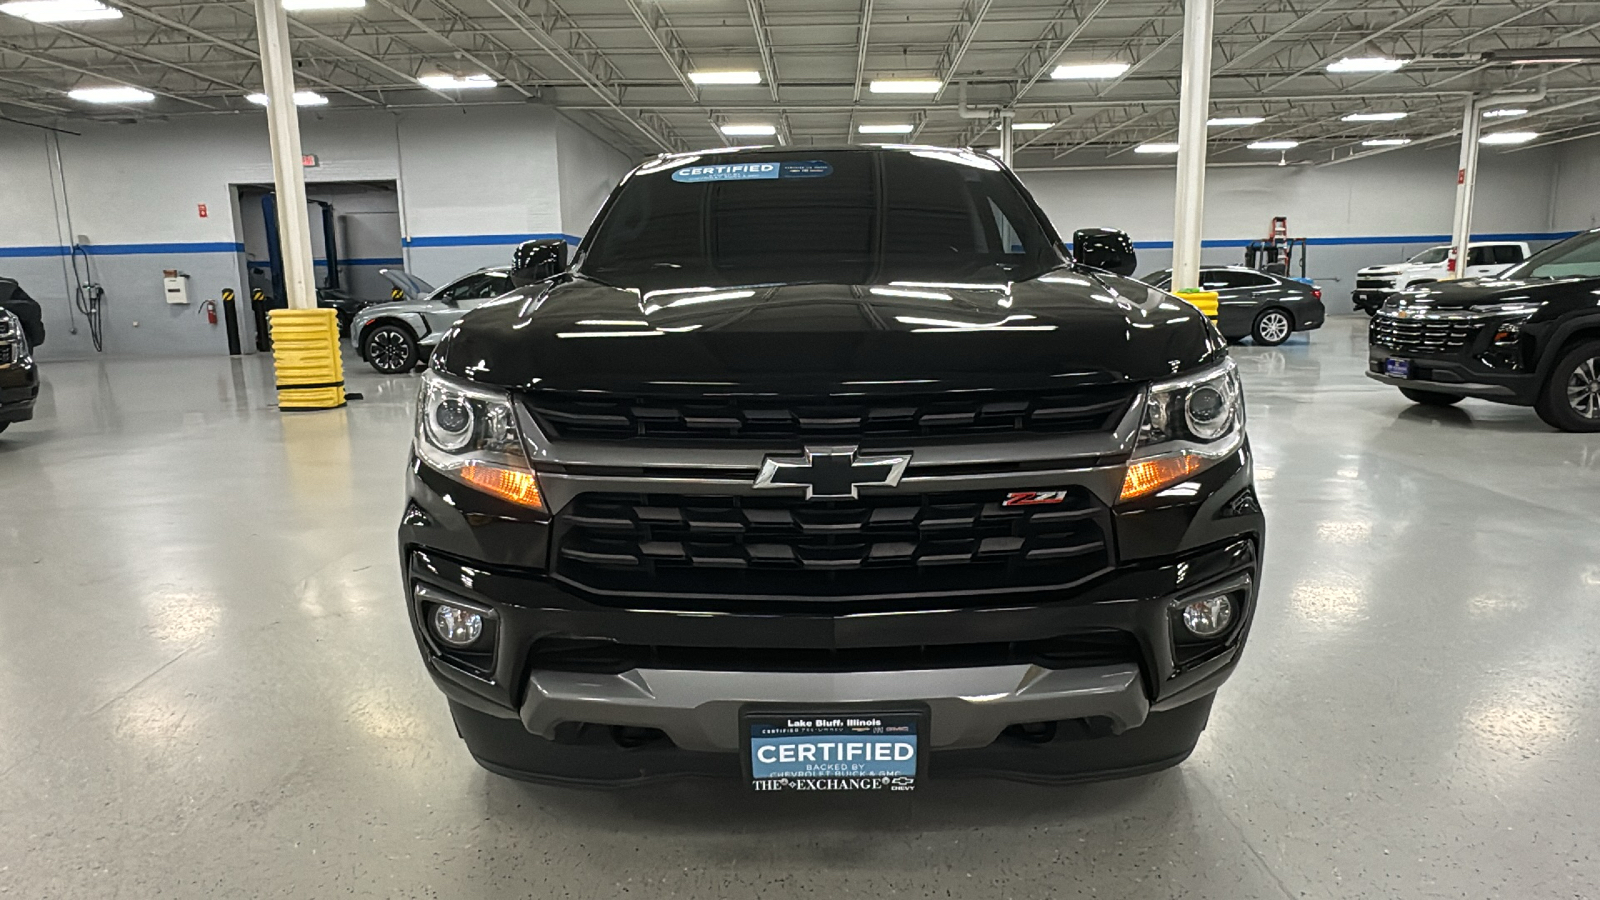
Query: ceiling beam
{"points": [[654, 128], [758, 23], [239, 49]]}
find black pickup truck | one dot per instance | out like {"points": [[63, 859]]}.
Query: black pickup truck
{"points": [[1529, 336], [828, 469]]}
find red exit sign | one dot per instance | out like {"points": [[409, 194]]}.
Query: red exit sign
{"points": [[309, 161]]}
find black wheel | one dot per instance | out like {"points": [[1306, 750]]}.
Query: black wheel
{"points": [[391, 349], [1272, 327], [1430, 398], [1570, 400]]}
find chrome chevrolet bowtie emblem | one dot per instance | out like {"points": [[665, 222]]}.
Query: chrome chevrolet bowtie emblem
{"points": [[831, 473]]}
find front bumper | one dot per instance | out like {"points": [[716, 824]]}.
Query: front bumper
{"points": [[19, 390], [522, 716], [1370, 300], [1455, 374]]}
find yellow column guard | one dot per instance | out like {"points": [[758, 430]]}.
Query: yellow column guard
{"points": [[1205, 301], [305, 353]]}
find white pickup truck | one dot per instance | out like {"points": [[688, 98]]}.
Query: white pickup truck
{"points": [[1374, 284]]}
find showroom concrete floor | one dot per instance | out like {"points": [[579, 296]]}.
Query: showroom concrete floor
{"points": [[208, 687]]}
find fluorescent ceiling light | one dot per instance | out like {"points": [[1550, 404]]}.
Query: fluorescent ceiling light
{"points": [[119, 94], [1365, 64], [1222, 121], [1274, 145], [742, 77], [1386, 142], [884, 129], [1509, 137], [1090, 70], [1374, 117], [453, 82], [299, 5], [1156, 148], [906, 86], [1032, 126], [301, 98], [748, 130], [1503, 113], [60, 10], [995, 152]]}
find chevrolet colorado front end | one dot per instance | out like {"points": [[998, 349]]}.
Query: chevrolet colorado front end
{"points": [[826, 469]]}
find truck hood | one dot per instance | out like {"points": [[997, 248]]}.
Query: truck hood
{"points": [[1476, 292], [1065, 326], [1392, 269]]}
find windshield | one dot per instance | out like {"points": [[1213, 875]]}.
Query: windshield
{"points": [[842, 216], [1431, 256], [1575, 257]]}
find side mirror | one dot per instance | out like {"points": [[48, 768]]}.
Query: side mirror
{"points": [[1104, 248], [536, 261]]}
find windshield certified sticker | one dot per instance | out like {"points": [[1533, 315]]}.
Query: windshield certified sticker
{"points": [[815, 168]]}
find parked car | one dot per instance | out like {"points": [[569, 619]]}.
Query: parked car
{"points": [[396, 337], [819, 465], [1530, 337], [1375, 284], [15, 300], [19, 377], [1252, 304]]}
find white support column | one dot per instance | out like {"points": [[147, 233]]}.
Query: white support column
{"points": [[1466, 186], [1007, 136], [288, 172], [1194, 103]]}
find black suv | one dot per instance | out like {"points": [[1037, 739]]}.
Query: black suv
{"points": [[19, 377], [1529, 336], [825, 469]]}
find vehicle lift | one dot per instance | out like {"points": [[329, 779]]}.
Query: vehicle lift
{"points": [[1276, 255]]}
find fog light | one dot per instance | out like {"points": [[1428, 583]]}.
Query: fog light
{"points": [[457, 627], [1209, 616]]}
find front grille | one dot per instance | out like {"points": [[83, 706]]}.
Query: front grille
{"points": [[1374, 284], [586, 416], [786, 547], [1088, 648], [6, 354], [1422, 335]]}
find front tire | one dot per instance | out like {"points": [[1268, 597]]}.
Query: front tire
{"points": [[1430, 398], [1272, 327], [391, 349], [1570, 400]]}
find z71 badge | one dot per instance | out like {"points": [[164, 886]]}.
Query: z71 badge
{"points": [[1034, 498]]}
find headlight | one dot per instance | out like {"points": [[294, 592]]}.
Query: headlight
{"points": [[470, 434], [11, 333], [1189, 423]]}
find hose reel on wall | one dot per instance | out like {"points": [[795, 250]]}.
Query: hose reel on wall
{"points": [[84, 294]]}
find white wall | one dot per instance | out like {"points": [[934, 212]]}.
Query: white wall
{"points": [[472, 184], [1368, 211], [589, 169], [1575, 204]]}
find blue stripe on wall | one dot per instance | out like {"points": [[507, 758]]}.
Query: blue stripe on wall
{"points": [[1377, 239], [368, 261], [489, 240], [485, 240]]}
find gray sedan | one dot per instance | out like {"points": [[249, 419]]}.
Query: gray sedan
{"points": [[1253, 304], [396, 337]]}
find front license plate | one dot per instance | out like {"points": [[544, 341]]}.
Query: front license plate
{"points": [[834, 751], [1397, 368]]}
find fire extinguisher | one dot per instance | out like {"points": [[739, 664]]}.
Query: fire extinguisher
{"points": [[210, 308]]}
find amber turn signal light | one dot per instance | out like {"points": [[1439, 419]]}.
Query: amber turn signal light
{"points": [[1147, 476], [512, 485]]}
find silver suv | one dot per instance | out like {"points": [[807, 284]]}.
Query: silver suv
{"points": [[396, 337]]}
